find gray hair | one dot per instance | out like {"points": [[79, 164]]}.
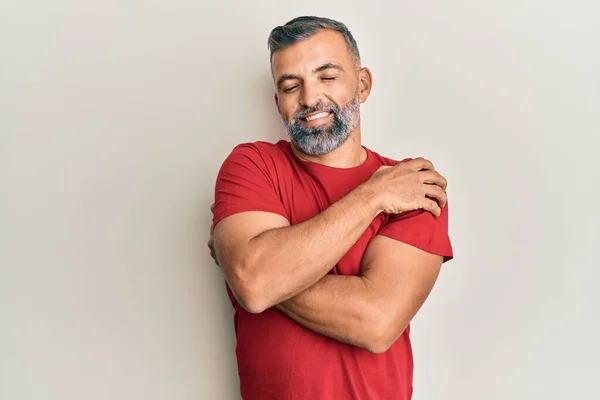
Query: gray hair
{"points": [[301, 28]]}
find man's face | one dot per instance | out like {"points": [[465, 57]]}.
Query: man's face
{"points": [[319, 91]]}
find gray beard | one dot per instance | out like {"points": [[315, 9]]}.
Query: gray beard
{"points": [[324, 139]]}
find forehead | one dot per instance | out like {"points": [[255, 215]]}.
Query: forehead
{"points": [[324, 46]]}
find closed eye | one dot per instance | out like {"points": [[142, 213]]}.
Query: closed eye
{"points": [[328, 78], [289, 89]]}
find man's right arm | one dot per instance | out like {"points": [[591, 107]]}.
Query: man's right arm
{"points": [[267, 261]]}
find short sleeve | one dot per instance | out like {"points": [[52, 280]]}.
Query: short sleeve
{"points": [[421, 229], [245, 183]]}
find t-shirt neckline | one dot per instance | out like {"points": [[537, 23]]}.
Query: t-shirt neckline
{"points": [[316, 166]]}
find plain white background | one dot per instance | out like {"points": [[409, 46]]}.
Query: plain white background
{"points": [[116, 115]]}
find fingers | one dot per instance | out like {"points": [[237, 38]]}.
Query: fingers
{"points": [[214, 257], [211, 247], [437, 194], [211, 244], [211, 241], [431, 206], [433, 178], [421, 163]]}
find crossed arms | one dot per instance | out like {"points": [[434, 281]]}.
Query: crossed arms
{"points": [[269, 263]]}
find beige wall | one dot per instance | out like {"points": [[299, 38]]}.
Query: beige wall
{"points": [[116, 115]]}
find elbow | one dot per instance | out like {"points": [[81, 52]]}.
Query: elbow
{"points": [[249, 291], [378, 342], [252, 302], [383, 333], [379, 347]]}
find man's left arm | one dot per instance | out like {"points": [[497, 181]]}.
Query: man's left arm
{"points": [[371, 310], [398, 271]]}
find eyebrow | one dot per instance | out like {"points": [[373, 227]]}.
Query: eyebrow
{"points": [[329, 66], [326, 66]]}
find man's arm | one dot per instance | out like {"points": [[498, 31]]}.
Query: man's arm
{"points": [[266, 261], [371, 310]]}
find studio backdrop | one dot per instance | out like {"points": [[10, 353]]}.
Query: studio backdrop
{"points": [[115, 117]]}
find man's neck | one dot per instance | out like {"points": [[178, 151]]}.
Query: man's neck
{"points": [[348, 155]]}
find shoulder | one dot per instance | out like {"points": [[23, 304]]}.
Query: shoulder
{"points": [[252, 160], [258, 151], [248, 180], [382, 160], [260, 146]]}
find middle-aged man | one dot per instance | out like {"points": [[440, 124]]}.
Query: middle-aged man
{"points": [[328, 248]]}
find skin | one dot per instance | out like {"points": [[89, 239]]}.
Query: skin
{"points": [[269, 263], [321, 70]]}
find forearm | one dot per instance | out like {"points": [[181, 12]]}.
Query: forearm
{"points": [[341, 307], [373, 310], [285, 261]]}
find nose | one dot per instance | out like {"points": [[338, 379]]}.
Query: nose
{"points": [[311, 95]]}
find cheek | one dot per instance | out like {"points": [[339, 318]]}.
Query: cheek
{"points": [[287, 107], [344, 93]]}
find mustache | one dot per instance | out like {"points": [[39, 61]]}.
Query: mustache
{"points": [[317, 108]]}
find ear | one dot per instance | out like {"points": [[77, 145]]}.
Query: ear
{"points": [[276, 98], [365, 83]]}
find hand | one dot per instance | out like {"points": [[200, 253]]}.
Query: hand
{"points": [[211, 240], [409, 186]]}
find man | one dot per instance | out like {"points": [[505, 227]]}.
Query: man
{"points": [[328, 248]]}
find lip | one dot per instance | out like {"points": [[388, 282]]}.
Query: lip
{"points": [[327, 115]]}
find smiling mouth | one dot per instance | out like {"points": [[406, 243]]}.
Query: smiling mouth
{"points": [[316, 116]]}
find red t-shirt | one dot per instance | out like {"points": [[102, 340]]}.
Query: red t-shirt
{"points": [[277, 357]]}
